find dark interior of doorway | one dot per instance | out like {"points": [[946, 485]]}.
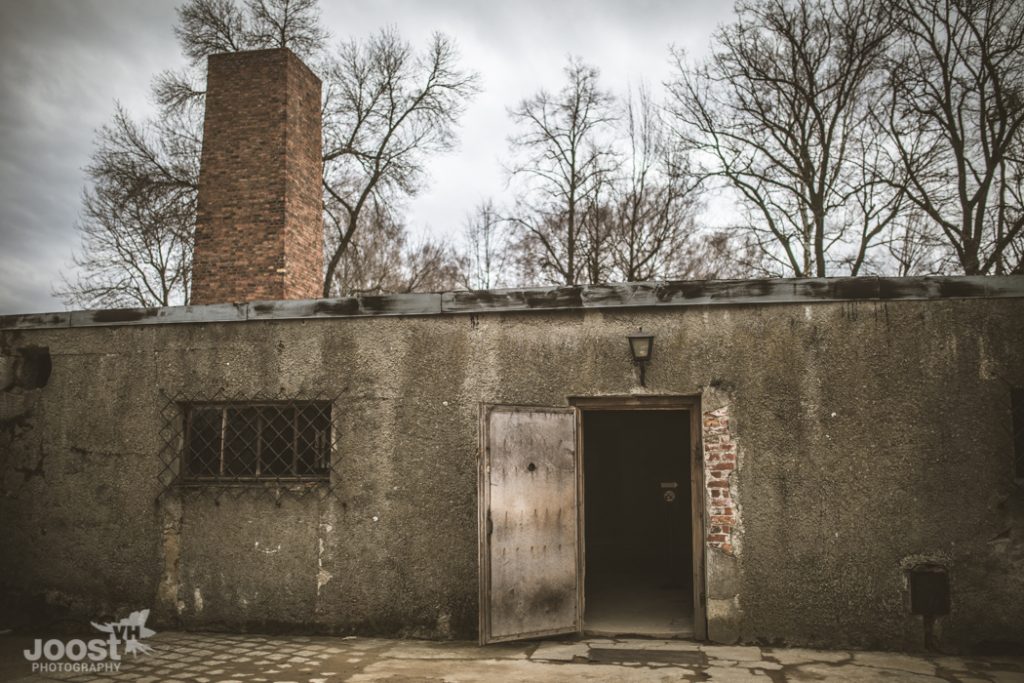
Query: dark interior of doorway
{"points": [[638, 526]]}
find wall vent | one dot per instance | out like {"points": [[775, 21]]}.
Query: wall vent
{"points": [[929, 590]]}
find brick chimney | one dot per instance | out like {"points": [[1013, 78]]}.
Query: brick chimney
{"points": [[259, 229]]}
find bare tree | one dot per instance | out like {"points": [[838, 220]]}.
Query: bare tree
{"points": [[294, 24], [381, 258], [206, 27], [137, 215], [724, 253], [956, 121], [914, 247], [1011, 208], [626, 181], [428, 265], [563, 159], [485, 249], [655, 203], [386, 110], [778, 111]]}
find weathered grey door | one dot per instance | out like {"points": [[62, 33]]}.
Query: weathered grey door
{"points": [[529, 583]]}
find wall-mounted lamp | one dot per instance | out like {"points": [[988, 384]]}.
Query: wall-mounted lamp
{"points": [[641, 346]]}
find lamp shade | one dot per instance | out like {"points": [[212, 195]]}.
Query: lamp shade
{"points": [[641, 345]]}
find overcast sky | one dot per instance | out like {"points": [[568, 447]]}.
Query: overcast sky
{"points": [[63, 63]]}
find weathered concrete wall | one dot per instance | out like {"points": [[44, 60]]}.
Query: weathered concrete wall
{"points": [[866, 436]]}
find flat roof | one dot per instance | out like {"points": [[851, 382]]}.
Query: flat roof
{"points": [[673, 293]]}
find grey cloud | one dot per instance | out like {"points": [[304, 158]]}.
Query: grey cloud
{"points": [[63, 65]]}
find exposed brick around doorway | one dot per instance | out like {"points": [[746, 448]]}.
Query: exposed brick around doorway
{"points": [[719, 465]]}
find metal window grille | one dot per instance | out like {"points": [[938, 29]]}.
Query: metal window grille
{"points": [[256, 440], [238, 443]]}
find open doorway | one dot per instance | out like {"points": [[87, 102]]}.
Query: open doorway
{"points": [[638, 523]]}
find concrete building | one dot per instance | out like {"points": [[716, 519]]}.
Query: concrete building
{"points": [[833, 462]]}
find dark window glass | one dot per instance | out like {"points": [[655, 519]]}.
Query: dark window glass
{"points": [[289, 440], [312, 439], [241, 441], [202, 442], [278, 456]]}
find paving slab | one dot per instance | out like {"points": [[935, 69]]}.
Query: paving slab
{"points": [[732, 652], [761, 664], [723, 674], [852, 673], [474, 671], [645, 657], [895, 662], [797, 655], [430, 650], [634, 643], [560, 652], [1006, 676]]}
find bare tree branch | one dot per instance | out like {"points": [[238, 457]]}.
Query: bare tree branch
{"points": [[563, 159], [655, 203], [956, 123], [381, 258], [294, 24], [778, 112], [386, 110], [137, 217], [485, 260]]}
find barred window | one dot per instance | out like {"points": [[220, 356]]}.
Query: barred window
{"points": [[281, 440]]}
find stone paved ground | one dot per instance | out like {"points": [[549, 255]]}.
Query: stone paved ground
{"points": [[216, 658]]}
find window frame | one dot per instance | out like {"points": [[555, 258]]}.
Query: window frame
{"points": [[323, 476]]}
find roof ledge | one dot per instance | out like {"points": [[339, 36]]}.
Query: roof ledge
{"points": [[672, 293]]}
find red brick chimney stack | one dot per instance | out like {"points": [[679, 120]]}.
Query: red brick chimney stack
{"points": [[259, 230]]}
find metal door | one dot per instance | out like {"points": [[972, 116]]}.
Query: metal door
{"points": [[529, 542]]}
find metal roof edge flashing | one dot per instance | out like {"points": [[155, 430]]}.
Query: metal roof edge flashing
{"points": [[669, 293]]}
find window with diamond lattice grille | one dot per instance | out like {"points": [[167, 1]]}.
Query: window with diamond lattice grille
{"points": [[257, 441]]}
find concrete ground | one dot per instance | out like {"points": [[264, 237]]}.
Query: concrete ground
{"points": [[212, 658]]}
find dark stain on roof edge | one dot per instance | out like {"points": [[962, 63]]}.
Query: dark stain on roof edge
{"points": [[603, 296]]}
